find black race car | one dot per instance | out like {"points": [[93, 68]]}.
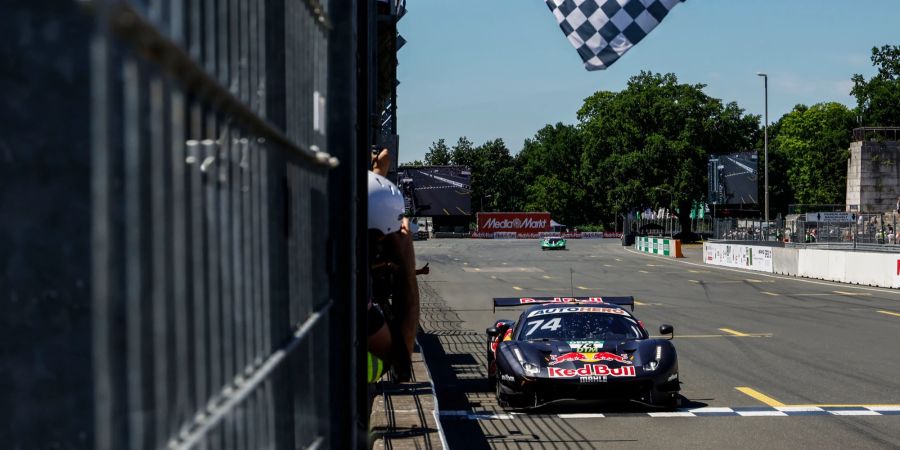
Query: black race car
{"points": [[579, 349]]}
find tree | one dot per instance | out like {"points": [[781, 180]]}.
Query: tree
{"points": [[438, 154], [463, 153], [488, 162], [878, 99], [549, 168], [814, 142], [652, 139]]}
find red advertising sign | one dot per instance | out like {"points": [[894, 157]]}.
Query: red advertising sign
{"points": [[514, 222]]}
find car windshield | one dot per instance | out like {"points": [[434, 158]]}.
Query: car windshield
{"points": [[579, 326], [554, 240]]}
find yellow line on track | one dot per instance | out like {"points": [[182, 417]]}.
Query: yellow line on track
{"points": [[769, 401], [769, 293], [546, 277], [890, 313], [517, 288], [583, 288], [643, 271], [639, 303], [693, 281], [735, 333]]}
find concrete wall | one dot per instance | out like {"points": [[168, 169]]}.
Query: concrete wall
{"points": [[873, 175], [785, 260], [866, 268]]}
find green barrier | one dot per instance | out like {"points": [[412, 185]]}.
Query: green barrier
{"points": [[659, 246]]}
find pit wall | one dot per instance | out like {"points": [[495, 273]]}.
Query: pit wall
{"points": [[867, 268]]}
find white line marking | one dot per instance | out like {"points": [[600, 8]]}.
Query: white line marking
{"points": [[799, 408], [491, 416], [854, 413], [711, 409], [581, 416], [761, 413], [884, 408], [671, 414]]}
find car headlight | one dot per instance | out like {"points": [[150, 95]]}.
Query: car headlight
{"points": [[652, 365], [531, 369]]}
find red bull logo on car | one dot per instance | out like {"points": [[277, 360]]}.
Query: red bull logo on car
{"points": [[589, 370], [587, 358]]}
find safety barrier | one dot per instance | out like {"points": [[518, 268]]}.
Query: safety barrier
{"points": [[738, 255], [785, 261], [844, 266], [659, 246]]}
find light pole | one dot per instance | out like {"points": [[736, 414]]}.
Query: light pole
{"points": [[766, 152]]}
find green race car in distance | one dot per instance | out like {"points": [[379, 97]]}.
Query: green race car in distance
{"points": [[553, 243]]}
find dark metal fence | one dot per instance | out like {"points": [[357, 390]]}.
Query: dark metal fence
{"points": [[200, 232]]}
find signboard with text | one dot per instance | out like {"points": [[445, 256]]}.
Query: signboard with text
{"points": [[513, 222], [833, 216]]}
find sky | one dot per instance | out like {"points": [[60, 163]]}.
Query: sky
{"points": [[490, 69]]}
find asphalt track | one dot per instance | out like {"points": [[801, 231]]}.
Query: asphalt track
{"points": [[765, 361], [441, 192]]}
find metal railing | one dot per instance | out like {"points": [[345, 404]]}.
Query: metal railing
{"points": [[195, 246], [215, 250], [886, 133]]}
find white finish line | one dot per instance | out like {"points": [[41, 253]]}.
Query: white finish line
{"points": [[710, 411]]}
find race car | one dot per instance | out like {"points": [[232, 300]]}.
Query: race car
{"points": [[586, 348], [553, 243]]}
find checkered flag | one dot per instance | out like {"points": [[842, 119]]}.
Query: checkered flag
{"points": [[603, 30]]}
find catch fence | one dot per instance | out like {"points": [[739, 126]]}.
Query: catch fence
{"points": [[202, 251]]}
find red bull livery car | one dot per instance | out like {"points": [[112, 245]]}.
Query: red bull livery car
{"points": [[579, 349]]}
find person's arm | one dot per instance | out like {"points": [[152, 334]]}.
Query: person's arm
{"points": [[381, 162], [406, 294]]}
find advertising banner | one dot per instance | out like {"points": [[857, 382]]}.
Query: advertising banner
{"points": [[741, 256], [513, 222]]}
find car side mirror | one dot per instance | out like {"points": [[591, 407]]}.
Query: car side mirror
{"points": [[492, 331], [667, 329]]}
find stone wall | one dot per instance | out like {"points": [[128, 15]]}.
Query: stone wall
{"points": [[873, 175]]}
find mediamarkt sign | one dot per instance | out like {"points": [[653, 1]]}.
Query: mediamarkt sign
{"points": [[515, 222]]}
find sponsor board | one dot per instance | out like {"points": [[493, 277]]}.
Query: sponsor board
{"points": [[751, 257], [592, 370], [513, 222], [577, 309], [526, 300]]}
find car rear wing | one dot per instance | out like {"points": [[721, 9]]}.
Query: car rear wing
{"points": [[505, 302]]}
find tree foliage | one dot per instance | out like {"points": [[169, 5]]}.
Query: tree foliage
{"points": [[814, 142], [649, 144], [878, 98], [438, 154]]}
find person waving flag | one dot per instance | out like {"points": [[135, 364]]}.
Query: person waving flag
{"points": [[603, 30]]}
